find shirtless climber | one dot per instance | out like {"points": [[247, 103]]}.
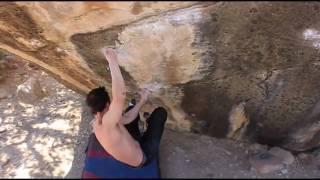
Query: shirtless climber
{"points": [[109, 124]]}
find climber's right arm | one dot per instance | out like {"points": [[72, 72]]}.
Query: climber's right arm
{"points": [[114, 114]]}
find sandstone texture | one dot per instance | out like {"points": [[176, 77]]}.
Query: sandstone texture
{"points": [[47, 139], [199, 58]]}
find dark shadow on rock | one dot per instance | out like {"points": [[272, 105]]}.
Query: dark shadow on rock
{"points": [[305, 135], [246, 40], [82, 139]]}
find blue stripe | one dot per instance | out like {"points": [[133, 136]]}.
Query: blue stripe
{"points": [[111, 168]]}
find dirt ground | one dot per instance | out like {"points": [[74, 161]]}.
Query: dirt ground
{"points": [[48, 138], [39, 139]]}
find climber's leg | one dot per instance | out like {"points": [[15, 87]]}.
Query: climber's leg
{"points": [[150, 142], [133, 127]]}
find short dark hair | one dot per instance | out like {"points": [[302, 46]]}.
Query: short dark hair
{"points": [[97, 99]]}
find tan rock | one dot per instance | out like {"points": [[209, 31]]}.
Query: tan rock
{"points": [[238, 121], [30, 92]]}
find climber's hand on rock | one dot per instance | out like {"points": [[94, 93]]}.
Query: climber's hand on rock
{"points": [[110, 54], [144, 94]]}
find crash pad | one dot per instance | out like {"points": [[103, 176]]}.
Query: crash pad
{"points": [[100, 164]]}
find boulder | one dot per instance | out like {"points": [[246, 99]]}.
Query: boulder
{"points": [[266, 163], [204, 57], [285, 156]]}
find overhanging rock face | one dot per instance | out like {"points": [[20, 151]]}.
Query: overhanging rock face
{"points": [[199, 58]]}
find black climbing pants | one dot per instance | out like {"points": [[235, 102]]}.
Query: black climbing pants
{"points": [[150, 140]]}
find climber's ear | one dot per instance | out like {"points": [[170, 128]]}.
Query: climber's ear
{"points": [[98, 117], [107, 106]]}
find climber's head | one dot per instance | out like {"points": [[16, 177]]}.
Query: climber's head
{"points": [[98, 100]]}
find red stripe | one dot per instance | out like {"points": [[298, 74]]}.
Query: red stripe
{"points": [[87, 174], [92, 153]]}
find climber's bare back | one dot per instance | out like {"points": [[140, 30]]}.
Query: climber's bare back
{"points": [[119, 143]]}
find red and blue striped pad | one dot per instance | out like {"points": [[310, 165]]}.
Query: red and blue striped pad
{"points": [[100, 164]]}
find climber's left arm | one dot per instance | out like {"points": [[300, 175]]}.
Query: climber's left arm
{"points": [[132, 114]]}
